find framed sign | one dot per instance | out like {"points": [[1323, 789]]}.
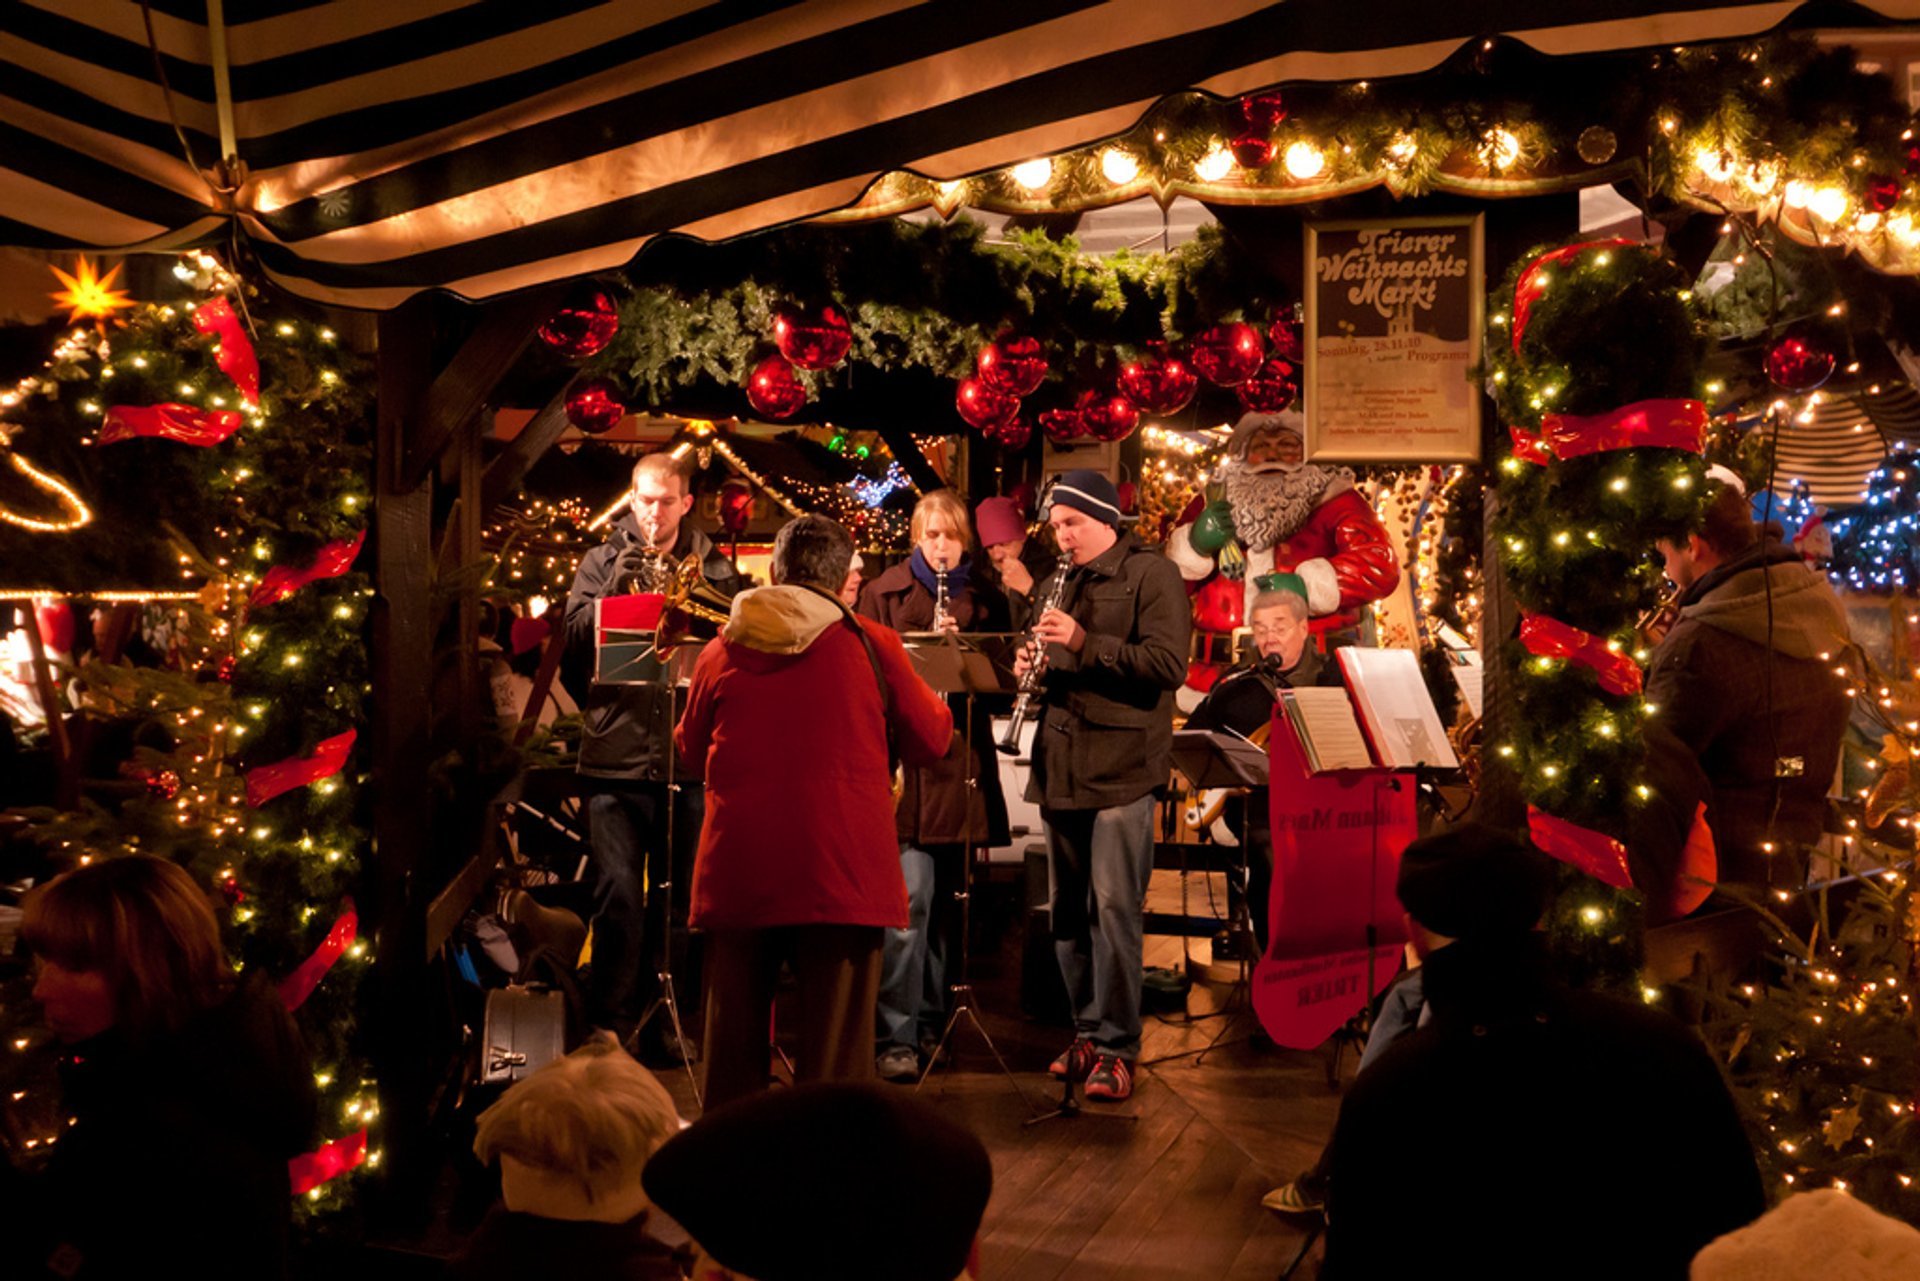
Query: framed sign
{"points": [[1392, 328]]}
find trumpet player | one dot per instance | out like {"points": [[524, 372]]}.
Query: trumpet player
{"points": [[625, 752], [1115, 650], [946, 807]]}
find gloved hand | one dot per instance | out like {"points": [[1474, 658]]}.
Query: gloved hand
{"points": [[1213, 528]]}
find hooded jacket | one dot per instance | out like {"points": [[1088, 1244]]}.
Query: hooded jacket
{"points": [[626, 727], [1711, 680], [785, 718]]}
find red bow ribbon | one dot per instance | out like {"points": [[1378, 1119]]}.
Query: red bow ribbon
{"points": [[233, 350], [1596, 854], [330, 561], [299, 985], [1666, 424], [1528, 288], [1528, 447], [188, 424], [332, 1160], [1551, 638], [268, 781]]}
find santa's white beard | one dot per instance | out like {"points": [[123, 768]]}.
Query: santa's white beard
{"points": [[1269, 505]]}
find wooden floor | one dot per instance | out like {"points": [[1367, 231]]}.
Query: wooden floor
{"points": [[1171, 1191]]}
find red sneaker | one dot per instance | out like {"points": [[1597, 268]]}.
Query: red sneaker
{"points": [[1059, 1067], [1111, 1079]]}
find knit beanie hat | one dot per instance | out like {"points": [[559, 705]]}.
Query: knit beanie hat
{"points": [[1474, 882], [1089, 491], [998, 520]]}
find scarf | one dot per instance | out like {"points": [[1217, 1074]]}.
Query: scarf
{"points": [[956, 577]]}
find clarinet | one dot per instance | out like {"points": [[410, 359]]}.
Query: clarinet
{"points": [[1030, 681], [940, 614]]}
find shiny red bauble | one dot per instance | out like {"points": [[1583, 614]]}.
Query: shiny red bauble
{"points": [[1012, 365], [1014, 436], [1272, 387], [736, 505], [1062, 425], [1227, 355], [984, 408], [1883, 193], [594, 405], [1284, 339], [1158, 383], [1108, 415], [773, 391], [585, 323], [1799, 364], [813, 339], [1262, 111], [1252, 150]]}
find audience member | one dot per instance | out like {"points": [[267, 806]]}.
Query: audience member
{"points": [[1527, 1129], [840, 1181], [188, 1087], [572, 1140], [1018, 560]]}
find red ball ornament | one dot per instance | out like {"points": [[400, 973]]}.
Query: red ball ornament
{"points": [[1262, 110], [1227, 355], [1062, 425], [1883, 193], [1108, 415], [594, 405], [224, 672], [1272, 387], [584, 325], [1285, 340], [1252, 150], [1014, 436], [813, 339], [773, 391], [230, 891], [1913, 160], [736, 505], [1797, 364], [1012, 365], [1158, 383], [984, 408], [164, 785]]}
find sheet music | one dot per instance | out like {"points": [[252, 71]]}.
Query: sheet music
{"points": [[1399, 712], [1328, 730], [1471, 678]]}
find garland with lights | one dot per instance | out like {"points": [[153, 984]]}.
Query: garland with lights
{"points": [[1576, 334], [263, 669]]}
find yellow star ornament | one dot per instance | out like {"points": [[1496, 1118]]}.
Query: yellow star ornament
{"points": [[89, 296]]}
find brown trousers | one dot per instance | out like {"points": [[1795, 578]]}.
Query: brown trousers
{"points": [[838, 971]]}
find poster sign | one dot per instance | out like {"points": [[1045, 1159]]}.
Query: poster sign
{"points": [[1392, 331], [1335, 934]]}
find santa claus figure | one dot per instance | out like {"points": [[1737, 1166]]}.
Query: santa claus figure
{"points": [[1271, 511]]}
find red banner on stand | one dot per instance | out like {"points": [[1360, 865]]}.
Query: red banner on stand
{"points": [[1337, 839]]}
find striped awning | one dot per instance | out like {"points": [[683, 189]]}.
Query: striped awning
{"points": [[392, 146], [1848, 437]]}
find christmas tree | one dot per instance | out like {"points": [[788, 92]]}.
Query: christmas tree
{"points": [[1877, 547]]}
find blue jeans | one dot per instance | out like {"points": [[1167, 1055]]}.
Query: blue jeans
{"points": [[1098, 863], [913, 967], [640, 899]]}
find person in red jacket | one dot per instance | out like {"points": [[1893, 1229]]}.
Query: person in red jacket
{"points": [[795, 712]]}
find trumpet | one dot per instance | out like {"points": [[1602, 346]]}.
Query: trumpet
{"points": [[1030, 680]]}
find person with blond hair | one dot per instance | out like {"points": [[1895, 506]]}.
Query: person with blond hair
{"points": [[187, 1085], [571, 1140], [945, 807]]}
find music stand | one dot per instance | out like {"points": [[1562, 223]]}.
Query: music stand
{"points": [[954, 664]]}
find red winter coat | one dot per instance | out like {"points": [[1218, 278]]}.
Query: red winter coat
{"points": [[784, 712]]}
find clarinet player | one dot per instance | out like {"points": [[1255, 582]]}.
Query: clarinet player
{"points": [[1114, 652]]}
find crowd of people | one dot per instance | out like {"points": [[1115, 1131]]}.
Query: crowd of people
{"points": [[793, 796]]}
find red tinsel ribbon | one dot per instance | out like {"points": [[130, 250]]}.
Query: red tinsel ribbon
{"points": [[233, 350], [299, 985], [1551, 638], [1528, 447], [268, 781], [329, 1161], [1527, 289], [1664, 424], [188, 424], [1596, 854], [330, 561]]}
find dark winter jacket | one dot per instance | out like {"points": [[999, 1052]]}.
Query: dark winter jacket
{"points": [[176, 1162], [508, 1246], [1529, 1130], [1106, 737], [936, 805], [1712, 680], [628, 728], [785, 717]]}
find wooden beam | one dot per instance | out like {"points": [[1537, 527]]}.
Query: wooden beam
{"points": [[460, 390], [540, 434], [919, 470]]}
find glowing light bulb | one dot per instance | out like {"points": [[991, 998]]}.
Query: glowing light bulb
{"points": [[1119, 165], [1033, 174], [1213, 166], [1303, 161], [1502, 149]]}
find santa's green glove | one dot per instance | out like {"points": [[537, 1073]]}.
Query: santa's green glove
{"points": [[1212, 528]]}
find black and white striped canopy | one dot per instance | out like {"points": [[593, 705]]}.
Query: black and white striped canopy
{"points": [[399, 145]]}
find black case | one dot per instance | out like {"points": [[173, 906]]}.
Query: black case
{"points": [[525, 1029]]}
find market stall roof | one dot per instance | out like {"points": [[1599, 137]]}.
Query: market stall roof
{"points": [[391, 146]]}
